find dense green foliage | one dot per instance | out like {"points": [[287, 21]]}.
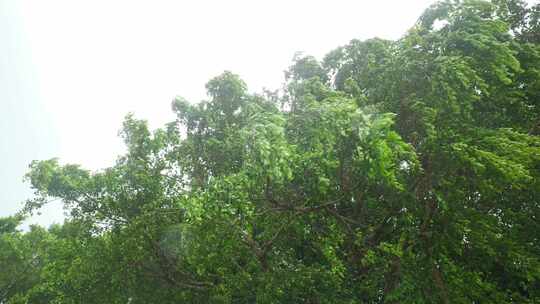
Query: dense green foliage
{"points": [[400, 171]]}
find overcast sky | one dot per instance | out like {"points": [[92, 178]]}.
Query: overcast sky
{"points": [[71, 70]]}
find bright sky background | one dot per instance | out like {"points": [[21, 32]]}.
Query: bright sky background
{"points": [[70, 70]]}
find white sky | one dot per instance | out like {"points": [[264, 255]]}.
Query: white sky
{"points": [[71, 70]]}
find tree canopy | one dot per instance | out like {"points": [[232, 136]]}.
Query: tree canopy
{"points": [[402, 171]]}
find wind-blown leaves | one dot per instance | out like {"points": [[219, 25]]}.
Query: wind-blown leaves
{"points": [[400, 171]]}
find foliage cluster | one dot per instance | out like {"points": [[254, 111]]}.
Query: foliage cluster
{"points": [[400, 171]]}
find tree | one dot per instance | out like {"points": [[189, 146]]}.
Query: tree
{"points": [[22, 257], [391, 172]]}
